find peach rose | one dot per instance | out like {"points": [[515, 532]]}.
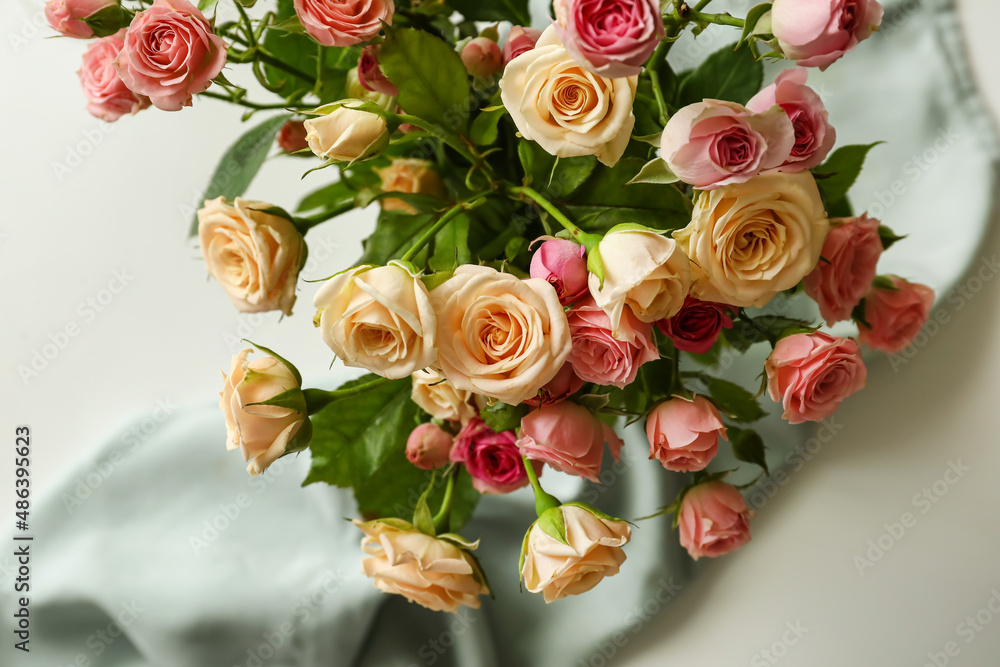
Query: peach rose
{"points": [[441, 399], [750, 241], [896, 315], [713, 520], [569, 438], [254, 255], [434, 572], [811, 375], [847, 268], [378, 318], [567, 109], [344, 22], [108, 98], [66, 16], [410, 176], [684, 435], [498, 335], [591, 549], [347, 134], [263, 433]]}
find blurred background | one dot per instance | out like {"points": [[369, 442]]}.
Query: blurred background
{"points": [[109, 318]]}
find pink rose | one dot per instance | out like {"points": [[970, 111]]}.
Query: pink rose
{"points": [[896, 316], [811, 374], [599, 357], [610, 37], [292, 137], [847, 268], [371, 76], [559, 388], [429, 447], [697, 326], [815, 33], [714, 143], [492, 459], [66, 16], [568, 437], [170, 54], [814, 136], [519, 40], [714, 520], [344, 22], [563, 264], [108, 98], [482, 57], [684, 435]]}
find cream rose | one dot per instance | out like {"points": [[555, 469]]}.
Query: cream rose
{"points": [[498, 335], [642, 270], [378, 318], [261, 432], [567, 109], [749, 241], [435, 573], [347, 134], [592, 550], [410, 176], [254, 255], [441, 399]]}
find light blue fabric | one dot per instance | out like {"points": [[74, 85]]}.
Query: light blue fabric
{"points": [[205, 567]]}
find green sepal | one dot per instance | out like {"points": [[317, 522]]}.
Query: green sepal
{"points": [[595, 264], [293, 399], [593, 510], [288, 364], [436, 279], [888, 237], [423, 520], [657, 172], [503, 417], [756, 23], [106, 21], [552, 523], [884, 282]]}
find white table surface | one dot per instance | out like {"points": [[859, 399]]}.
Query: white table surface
{"points": [[162, 339]]}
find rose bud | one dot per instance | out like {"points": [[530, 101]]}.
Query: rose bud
{"points": [[847, 267], [178, 38], [263, 433], [684, 435], [713, 520], [644, 271], [565, 383], [896, 315], [108, 98], [370, 74], [482, 57], [66, 16], [355, 89], [439, 398], [610, 37], [814, 136], [492, 459], [815, 33], [343, 22], [410, 176], [292, 137], [436, 573], [563, 264], [429, 447], [697, 326], [811, 374], [347, 135], [570, 554], [254, 255], [378, 318], [598, 356], [568, 437], [714, 143], [519, 40]]}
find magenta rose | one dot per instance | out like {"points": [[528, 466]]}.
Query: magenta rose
{"points": [[814, 136], [108, 98], [714, 520], [684, 435], [563, 264], [714, 143], [344, 22], [66, 16], [599, 357], [492, 459], [811, 374], [170, 54], [847, 268], [568, 437], [429, 447], [564, 384], [815, 33], [697, 326], [611, 38], [896, 315], [370, 74], [519, 40]]}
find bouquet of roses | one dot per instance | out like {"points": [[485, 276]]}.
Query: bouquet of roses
{"points": [[570, 235]]}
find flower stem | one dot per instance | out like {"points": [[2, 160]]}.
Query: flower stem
{"points": [[720, 19], [317, 399], [578, 234], [248, 105], [543, 501], [429, 233], [653, 70], [452, 140], [306, 223], [442, 519]]}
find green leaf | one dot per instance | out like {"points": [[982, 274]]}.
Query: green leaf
{"points": [[515, 11], [655, 171], [451, 245], [326, 198], [836, 176], [394, 233], [774, 327], [107, 20], [485, 128], [502, 417], [431, 78], [733, 399], [553, 177], [748, 446], [206, 5], [240, 164], [727, 74]]}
